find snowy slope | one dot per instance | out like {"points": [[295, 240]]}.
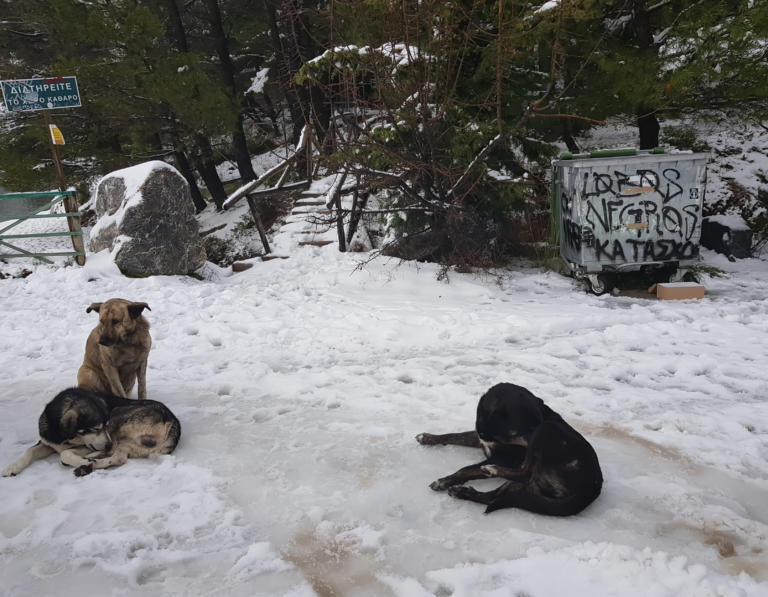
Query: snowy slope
{"points": [[300, 385]]}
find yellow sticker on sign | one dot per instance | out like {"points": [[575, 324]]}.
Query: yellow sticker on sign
{"points": [[56, 137]]}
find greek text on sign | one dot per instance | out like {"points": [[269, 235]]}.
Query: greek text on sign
{"points": [[26, 95]]}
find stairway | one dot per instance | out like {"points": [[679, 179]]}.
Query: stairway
{"points": [[308, 224]]}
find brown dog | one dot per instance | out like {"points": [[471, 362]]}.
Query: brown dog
{"points": [[117, 349]]}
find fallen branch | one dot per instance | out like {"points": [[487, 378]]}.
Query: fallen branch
{"points": [[478, 158], [212, 230]]}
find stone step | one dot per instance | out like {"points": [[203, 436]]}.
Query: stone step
{"points": [[271, 256], [239, 266], [308, 224], [308, 203], [315, 243], [322, 212]]}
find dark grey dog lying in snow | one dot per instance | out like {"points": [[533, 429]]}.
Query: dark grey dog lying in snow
{"points": [[92, 431], [549, 467]]}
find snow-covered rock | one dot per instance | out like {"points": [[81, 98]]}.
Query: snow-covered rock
{"points": [[146, 220]]}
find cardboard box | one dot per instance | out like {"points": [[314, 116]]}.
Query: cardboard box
{"points": [[672, 291]]}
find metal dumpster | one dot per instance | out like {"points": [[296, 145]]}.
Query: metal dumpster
{"points": [[627, 210]]}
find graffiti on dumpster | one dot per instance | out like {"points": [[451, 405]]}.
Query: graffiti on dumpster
{"points": [[632, 217]]}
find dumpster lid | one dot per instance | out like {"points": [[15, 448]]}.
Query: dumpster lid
{"points": [[606, 158]]}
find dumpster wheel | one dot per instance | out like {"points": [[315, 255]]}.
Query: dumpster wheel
{"points": [[599, 284]]}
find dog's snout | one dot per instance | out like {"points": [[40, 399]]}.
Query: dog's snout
{"points": [[107, 341]]}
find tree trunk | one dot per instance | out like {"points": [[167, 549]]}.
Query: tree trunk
{"points": [[177, 27], [567, 135], [649, 129], [321, 110], [358, 207], [259, 225], [286, 72], [207, 169], [186, 171], [242, 156], [641, 21], [269, 110], [316, 105], [647, 123], [294, 47], [204, 162]]}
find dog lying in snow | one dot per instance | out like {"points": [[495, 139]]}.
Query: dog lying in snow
{"points": [[549, 467], [93, 431]]}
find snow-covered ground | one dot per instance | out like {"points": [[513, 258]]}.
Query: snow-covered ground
{"points": [[300, 385]]}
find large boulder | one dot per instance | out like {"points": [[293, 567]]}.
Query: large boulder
{"points": [[145, 217]]}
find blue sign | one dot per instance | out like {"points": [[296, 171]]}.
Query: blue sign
{"points": [[26, 95]]}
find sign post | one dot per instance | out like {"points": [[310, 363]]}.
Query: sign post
{"points": [[29, 95]]}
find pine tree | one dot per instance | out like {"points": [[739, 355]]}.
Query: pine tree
{"points": [[640, 60], [436, 105], [142, 99]]}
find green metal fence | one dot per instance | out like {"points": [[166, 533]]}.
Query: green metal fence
{"points": [[68, 198]]}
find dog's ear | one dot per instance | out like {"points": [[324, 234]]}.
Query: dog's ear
{"points": [[94, 307], [69, 424], [135, 309]]}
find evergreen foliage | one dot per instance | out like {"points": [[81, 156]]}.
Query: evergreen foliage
{"points": [[452, 107]]}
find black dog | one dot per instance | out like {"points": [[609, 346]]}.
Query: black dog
{"points": [[94, 431], [550, 467]]}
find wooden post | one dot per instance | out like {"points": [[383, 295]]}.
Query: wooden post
{"points": [[70, 202], [334, 197], [309, 155], [259, 225]]}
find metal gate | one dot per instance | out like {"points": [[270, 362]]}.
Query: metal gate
{"points": [[71, 213]]}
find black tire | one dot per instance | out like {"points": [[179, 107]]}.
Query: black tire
{"points": [[603, 285]]}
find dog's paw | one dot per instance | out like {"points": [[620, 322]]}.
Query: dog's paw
{"points": [[490, 470], [10, 471], [462, 492], [425, 439], [83, 470], [439, 485]]}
